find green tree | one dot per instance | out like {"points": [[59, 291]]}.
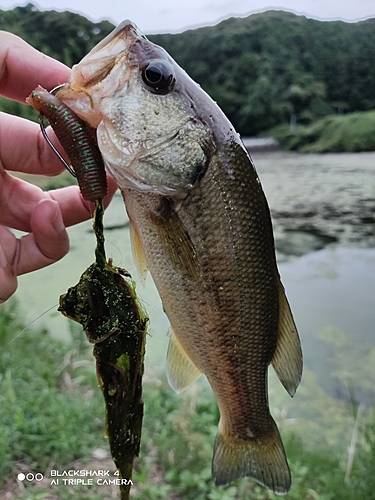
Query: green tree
{"points": [[261, 69]]}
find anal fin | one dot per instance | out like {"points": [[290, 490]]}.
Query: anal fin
{"points": [[181, 371], [287, 359]]}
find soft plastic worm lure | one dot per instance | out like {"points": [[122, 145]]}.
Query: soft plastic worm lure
{"points": [[75, 137]]}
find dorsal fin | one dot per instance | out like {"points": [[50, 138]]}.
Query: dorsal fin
{"points": [[287, 359]]}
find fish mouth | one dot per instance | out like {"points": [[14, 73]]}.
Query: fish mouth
{"points": [[114, 49], [124, 31], [105, 69]]}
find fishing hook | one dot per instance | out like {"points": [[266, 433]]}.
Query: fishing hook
{"points": [[44, 133]]}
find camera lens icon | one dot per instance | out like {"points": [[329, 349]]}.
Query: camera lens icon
{"points": [[30, 476]]}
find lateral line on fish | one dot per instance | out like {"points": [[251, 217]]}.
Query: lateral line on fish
{"points": [[32, 322]]}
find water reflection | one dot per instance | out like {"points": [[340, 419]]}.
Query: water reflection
{"points": [[332, 297], [319, 200]]}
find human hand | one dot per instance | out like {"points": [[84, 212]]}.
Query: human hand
{"points": [[44, 215]]}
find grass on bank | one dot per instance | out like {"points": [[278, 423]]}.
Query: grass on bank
{"points": [[351, 133], [52, 415]]}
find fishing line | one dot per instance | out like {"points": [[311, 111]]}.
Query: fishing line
{"points": [[33, 321], [117, 248]]}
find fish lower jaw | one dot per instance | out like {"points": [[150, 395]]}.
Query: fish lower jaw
{"points": [[126, 182]]}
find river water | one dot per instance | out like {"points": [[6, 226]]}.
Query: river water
{"points": [[323, 209]]}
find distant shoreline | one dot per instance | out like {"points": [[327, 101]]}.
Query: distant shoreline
{"points": [[260, 144]]}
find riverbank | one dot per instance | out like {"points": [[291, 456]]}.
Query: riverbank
{"points": [[50, 396], [350, 133]]}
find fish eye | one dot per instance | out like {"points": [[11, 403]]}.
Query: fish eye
{"points": [[158, 76]]}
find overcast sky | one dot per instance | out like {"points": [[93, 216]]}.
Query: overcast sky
{"points": [[161, 16]]}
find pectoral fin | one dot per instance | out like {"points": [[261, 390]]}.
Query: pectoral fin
{"points": [[181, 371], [139, 257], [176, 241], [287, 359]]}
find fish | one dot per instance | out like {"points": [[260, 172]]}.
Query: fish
{"points": [[200, 223]]}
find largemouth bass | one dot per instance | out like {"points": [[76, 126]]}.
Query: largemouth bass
{"points": [[200, 222]]}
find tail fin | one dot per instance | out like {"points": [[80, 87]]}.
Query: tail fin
{"points": [[261, 459]]}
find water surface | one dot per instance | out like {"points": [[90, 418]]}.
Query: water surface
{"points": [[323, 211]]}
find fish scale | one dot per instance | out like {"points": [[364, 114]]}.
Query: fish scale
{"points": [[226, 281], [201, 224]]}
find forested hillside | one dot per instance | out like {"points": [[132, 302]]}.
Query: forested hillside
{"points": [[63, 35], [267, 67], [263, 70]]}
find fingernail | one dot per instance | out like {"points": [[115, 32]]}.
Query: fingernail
{"points": [[57, 221]]}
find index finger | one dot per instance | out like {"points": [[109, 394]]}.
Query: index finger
{"points": [[22, 68], [23, 148]]}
